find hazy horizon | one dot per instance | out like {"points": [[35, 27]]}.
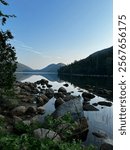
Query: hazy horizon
{"points": [[58, 62], [59, 31]]}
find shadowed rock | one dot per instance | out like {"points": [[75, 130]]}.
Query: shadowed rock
{"points": [[103, 103], [88, 107]]}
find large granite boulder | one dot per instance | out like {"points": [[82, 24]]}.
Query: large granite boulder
{"points": [[74, 107]]}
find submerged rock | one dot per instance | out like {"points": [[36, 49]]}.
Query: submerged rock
{"points": [[99, 134], [87, 95], [66, 84], [106, 146], [49, 85], [104, 103], [95, 104]]}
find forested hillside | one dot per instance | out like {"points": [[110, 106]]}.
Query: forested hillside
{"points": [[98, 63]]}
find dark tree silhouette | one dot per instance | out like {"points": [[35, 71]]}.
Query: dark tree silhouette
{"points": [[98, 63], [7, 54]]}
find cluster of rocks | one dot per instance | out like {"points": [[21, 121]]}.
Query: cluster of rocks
{"points": [[100, 91], [32, 97]]}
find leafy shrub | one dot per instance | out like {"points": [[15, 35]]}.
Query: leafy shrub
{"points": [[26, 142]]}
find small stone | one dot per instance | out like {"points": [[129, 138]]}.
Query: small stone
{"points": [[103, 103], [87, 95], [40, 110], [58, 102], [63, 90]]}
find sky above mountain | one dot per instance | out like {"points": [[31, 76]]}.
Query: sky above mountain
{"points": [[53, 31]]}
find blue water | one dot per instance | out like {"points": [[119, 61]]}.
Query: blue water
{"points": [[101, 120]]}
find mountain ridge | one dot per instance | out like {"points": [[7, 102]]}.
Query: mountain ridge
{"points": [[98, 63], [50, 68]]}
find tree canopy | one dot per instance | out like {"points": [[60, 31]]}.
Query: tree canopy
{"points": [[7, 53]]}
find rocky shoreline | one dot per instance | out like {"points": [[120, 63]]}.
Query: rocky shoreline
{"points": [[28, 106]]}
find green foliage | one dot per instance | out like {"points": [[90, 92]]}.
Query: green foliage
{"points": [[7, 55], [21, 127], [64, 125], [27, 142], [2, 126]]}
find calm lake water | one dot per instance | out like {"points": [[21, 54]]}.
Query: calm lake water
{"points": [[101, 120]]}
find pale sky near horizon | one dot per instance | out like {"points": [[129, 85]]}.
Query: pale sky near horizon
{"points": [[54, 31]]}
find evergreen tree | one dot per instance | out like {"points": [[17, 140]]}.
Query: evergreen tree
{"points": [[7, 54]]}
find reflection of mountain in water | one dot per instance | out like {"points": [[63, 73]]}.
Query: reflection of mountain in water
{"points": [[80, 81], [83, 81], [22, 76], [49, 76]]}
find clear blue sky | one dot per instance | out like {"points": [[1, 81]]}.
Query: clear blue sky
{"points": [[53, 31]]}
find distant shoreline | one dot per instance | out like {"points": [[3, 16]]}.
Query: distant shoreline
{"points": [[82, 75]]}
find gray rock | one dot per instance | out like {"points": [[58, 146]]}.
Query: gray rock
{"points": [[72, 106], [103, 103], [42, 133], [86, 99], [17, 90], [40, 110], [95, 104], [49, 85], [66, 84], [87, 95], [42, 82], [69, 97], [41, 100], [58, 102], [2, 117], [99, 134], [49, 93], [44, 97], [31, 110], [59, 95], [106, 146], [63, 90], [20, 110], [26, 122], [35, 119]]}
